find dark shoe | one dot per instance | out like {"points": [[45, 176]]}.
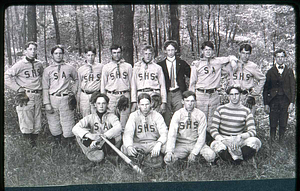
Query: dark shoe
{"points": [[57, 139], [237, 162], [33, 138], [248, 152], [225, 155]]}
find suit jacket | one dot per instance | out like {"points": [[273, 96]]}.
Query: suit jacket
{"points": [[273, 81], [183, 70]]}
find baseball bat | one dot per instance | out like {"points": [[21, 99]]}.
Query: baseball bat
{"points": [[123, 156]]}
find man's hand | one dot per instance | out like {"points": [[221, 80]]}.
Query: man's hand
{"points": [[49, 109], [156, 149], [131, 151], [191, 158], [267, 109], [163, 108], [169, 158], [94, 145], [237, 140], [93, 136], [291, 107], [133, 106]]}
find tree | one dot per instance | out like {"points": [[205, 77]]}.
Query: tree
{"points": [[175, 24], [32, 28], [99, 32], [123, 29], [78, 41], [55, 24], [7, 38]]}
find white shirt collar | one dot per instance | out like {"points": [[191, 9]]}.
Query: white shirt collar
{"points": [[171, 59]]}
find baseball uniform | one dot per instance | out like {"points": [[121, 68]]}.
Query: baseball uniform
{"points": [[144, 132], [109, 125], [89, 76], [27, 74], [56, 87], [115, 82], [187, 134]]}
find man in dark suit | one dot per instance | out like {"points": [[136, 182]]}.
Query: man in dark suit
{"points": [[279, 95], [175, 71]]}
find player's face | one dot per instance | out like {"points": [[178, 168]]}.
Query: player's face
{"points": [[31, 51], [207, 52], [170, 51], [58, 55], [145, 106], [147, 55], [234, 96], [245, 55], [116, 54], [280, 58], [90, 57], [189, 103], [101, 105]]}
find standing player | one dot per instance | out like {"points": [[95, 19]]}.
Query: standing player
{"points": [[148, 77], [89, 76], [187, 132], [279, 95], [205, 80], [245, 75], [89, 130], [115, 81], [56, 92], [145, 130], [233, 129], [25, 77], [175, 71]]}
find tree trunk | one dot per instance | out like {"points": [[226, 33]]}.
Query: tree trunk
{"points": [[77, 31], [218, 32], [155, 27], [191, 32], [55, 24], [32, 28], [198, 21], [12, 32], [99, 33], [175, 24], [123, 29], [45, 35], [82, 26], [7, 38], [19, 28], [207, 21], [24, 27]]}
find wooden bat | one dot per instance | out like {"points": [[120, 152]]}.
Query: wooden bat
{"points": [[123, 156]]}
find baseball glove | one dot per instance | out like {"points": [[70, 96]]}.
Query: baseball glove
{"points": [[155, 100], [72, 102], [153, 162], [21, 99], [123, 103], [250, 102], [139, 158]]}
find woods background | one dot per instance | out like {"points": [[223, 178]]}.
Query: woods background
{"points": [[265, 27]]}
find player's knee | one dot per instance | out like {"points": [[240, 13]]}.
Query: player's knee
{"points": [[208, 154], [253, 142], [217, 146]]}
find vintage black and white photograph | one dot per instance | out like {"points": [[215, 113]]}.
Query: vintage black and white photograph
{"points": [[148, 93]]}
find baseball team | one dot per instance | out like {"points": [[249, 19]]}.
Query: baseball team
{"points": [[168, 110]]}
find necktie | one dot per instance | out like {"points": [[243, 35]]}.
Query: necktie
{"points": [[280, 67], [172, 76]]}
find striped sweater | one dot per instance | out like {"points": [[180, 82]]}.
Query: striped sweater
{"points": [[229, 121]]}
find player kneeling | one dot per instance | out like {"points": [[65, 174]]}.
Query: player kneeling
{"points": [[187, 133], [90, 129], [145, 132]]}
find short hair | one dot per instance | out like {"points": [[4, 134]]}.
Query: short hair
{"points": [[171, 42], [90, 48], [234, 87], [247, 47], [96, 95], [279, 51], [115, 47], [148, 47], [56, 47], [144, 96], [187, 94], [207, 43], [29, 43]]}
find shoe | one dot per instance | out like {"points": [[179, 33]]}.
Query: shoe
{"points": [[237, 162]]}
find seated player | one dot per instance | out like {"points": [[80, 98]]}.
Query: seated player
{"points": [[145, 130], [233, 129], [187, 133], [89, 130]]}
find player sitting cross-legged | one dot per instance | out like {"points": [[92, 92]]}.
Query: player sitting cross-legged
{"points": [[187, 133], [145, 130], [90, 129]]}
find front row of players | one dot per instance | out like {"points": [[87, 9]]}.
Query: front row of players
{"points": [[234, 139]]}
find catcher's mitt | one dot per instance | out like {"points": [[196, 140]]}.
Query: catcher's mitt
{"points": [[153, 162], [250, 102], [21, 99], [138, 159], [155, 100], [123, 103], [72, 102]]}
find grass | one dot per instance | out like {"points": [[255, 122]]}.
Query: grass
{"points": [[49, 164]]}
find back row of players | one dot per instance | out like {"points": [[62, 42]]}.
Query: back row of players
{"points": [[98, 88]]}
